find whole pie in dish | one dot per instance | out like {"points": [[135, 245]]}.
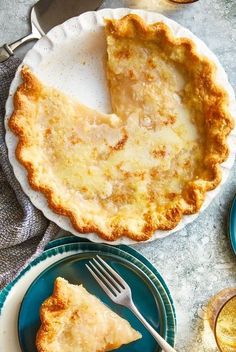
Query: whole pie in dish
{"points": [[73, 320], [144, 166]]}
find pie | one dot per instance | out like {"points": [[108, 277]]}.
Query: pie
{"points": [[73, 320], [150, 162]]}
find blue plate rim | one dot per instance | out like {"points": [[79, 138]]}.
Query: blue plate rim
{"points": [[73, 239], [232, 225]]}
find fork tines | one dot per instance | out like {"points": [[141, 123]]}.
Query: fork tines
{"points": [[109, 280]]}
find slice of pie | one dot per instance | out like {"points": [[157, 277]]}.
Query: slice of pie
{"points": [[143, 167], [73, 320]]}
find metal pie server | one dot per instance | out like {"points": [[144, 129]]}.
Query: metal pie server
{"points": [[46, 14]]}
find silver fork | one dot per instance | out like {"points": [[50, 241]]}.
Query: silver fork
{"points": [[119, 292]]}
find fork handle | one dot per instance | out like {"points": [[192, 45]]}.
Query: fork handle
{"points": [[162, 343]]}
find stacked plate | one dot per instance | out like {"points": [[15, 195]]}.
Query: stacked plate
{"points": [[66, 257]]}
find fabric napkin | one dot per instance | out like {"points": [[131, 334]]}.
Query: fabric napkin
{"points": [[24, 231]]}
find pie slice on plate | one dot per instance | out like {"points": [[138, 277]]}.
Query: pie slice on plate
{"points": [[73, 320], [143, 167]]}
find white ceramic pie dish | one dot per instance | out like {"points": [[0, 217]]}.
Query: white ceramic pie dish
{"points": [[71, 58]]}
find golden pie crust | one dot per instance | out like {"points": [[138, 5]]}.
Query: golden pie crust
{"points": [[148, 164], [73, 320]]}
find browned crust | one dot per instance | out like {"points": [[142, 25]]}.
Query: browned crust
{"points": [[218, 123], [55, 303]]}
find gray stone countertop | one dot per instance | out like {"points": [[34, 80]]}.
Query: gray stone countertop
{"points": [[197, 261]]}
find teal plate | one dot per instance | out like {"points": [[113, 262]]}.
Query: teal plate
{"points": [[232, 225], [75, 239], [150, 292]]}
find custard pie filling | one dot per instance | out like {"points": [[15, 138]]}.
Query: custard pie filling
{"points": [[141, 168]]}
